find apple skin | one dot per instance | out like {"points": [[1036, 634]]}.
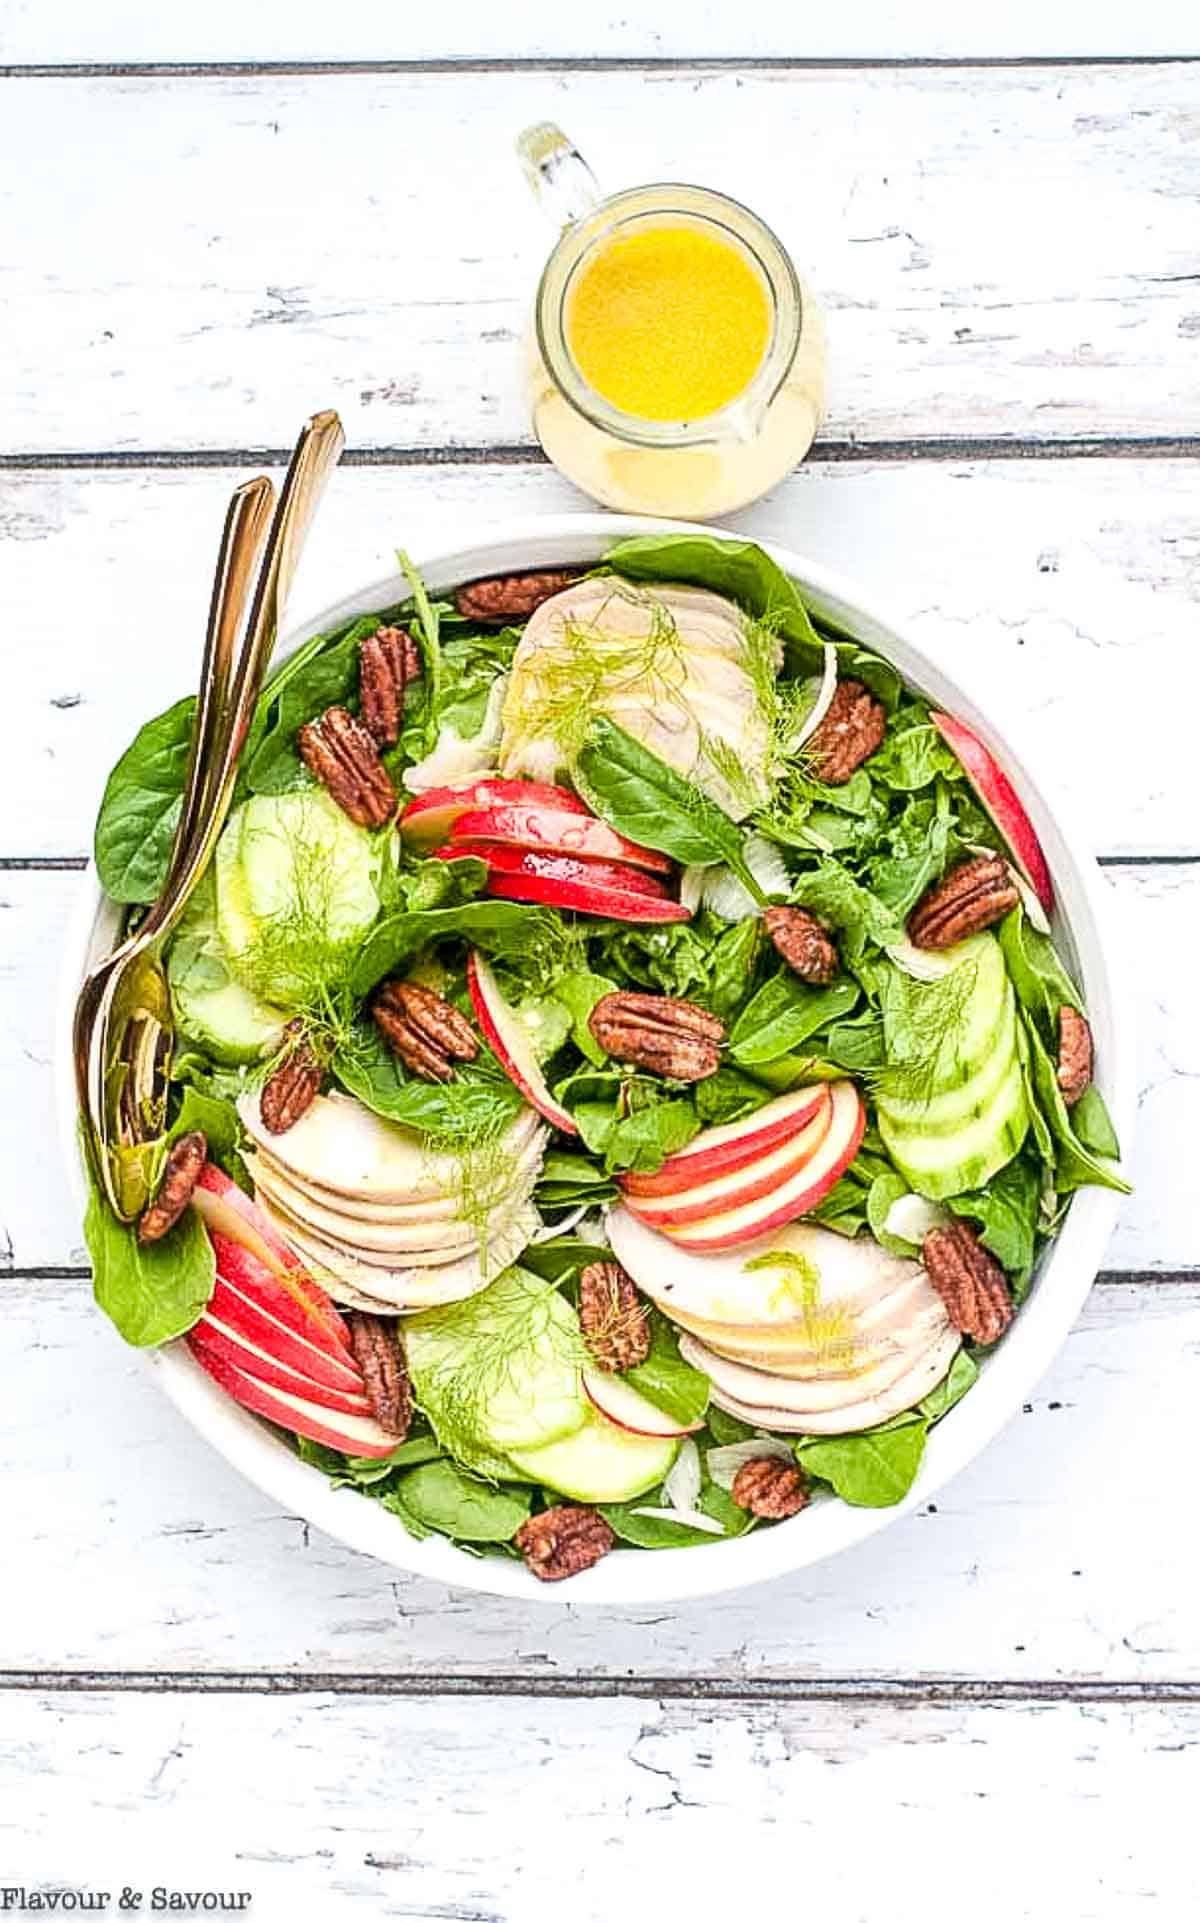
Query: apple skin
{"points": [[243, 1239], [253, 1305], [510, 1045], [351, 1435], [736, 1187], [1002, 803], [556, 831], [217, 1338], [608, 888], [428, 818], [732, 1145], [732, 1227], [622, 1404]]}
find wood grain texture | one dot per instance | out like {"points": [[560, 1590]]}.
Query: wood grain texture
{"points": [[1012, 252], [1063, 594], [329, 1808], [305, 30], [1056, 1555]]}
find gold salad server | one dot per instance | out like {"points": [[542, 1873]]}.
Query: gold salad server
{"points": [[124, 1030]]}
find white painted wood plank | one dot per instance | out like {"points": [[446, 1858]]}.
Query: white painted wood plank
{"points": [[1063, 594], [1059, 1554], [489, 1812], [1012, 251], [128, 30]]}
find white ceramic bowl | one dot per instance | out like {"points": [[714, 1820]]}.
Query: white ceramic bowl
{"points": [[1084, 926]]}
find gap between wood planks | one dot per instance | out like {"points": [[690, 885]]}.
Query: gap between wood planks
{"points": [[566, 63], [1105, 1278], [903, 1692], [1089, 447]]}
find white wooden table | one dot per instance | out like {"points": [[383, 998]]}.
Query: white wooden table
{"points": [[216, 219]]}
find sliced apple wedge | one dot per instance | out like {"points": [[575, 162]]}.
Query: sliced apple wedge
{"points": [[352, 1435], [251, 1252], [735, 1187], [221, 1340], [429, 818], [510, 1043], [256, 1309], [622, 1404], [612, 889], [558, 831], [733, 1145], [1002, 803], [801, 1192]]}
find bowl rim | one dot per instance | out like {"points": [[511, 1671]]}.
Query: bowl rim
{"points": [[629, 1576]]}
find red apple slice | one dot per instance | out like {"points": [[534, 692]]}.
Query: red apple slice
{"points": [[733, 1187], [732, 1227], [559, 831], [1002, 803], [428, 818], [733, 1145], [510, 1044], [257, 1309], [352, 1435], [222, 1341], [607, 888], [621, 1403], [235, 1222]]}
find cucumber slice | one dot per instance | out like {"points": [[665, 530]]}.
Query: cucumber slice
{"points": [[956, 1106], [977, 1034], [210, 1006], [963, 1159], [523, 1392], [235, 924], [598, 1463]]}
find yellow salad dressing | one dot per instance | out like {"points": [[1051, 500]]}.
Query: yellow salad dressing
{"points": [[668, 323]]}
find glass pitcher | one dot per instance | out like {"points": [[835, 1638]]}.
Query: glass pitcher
{"points": [[637, 461]]}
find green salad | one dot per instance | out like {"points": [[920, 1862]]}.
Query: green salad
{"points": [[624, 1077]]}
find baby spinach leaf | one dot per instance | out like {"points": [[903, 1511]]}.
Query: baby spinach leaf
{"points": [[643, 798], [784, 1013], [724, 1428], [440, 1496], [887, 1188], [727, 1096], [507, 930], [562, 1258], [665, 1379], [738, 569], [1006, 1214], [217, 1118], [135, 829], [961, 1376], [322, 674], [478, 1102], [1075, 1166], [641, 1140], [579, 990], [367, 1472], [653, 1532], [567, 1180], [1039, 978], [733, 962], [844, 1209], [1093, 1124], [871, 1470], [155, 1292]]}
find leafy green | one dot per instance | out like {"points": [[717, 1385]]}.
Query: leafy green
{"points": [[962, 1375], [217, 1118], [507, 930], [139, 814], [887, 1188], [367, 1472], [568, 1180], [733, 961], [727, 1096], [654, 1532], [322, 674], [643, 798], [557, 1261], [675, 956], [641, 1140], [784, 1013], [442, 1497], [872, 1470], [1006, 1214], [1042, 984], [479, 1102], [665, 1379], [1093, 1124], [155, 1292], [578, 991], [739, 569], [1075, 1165], [860, 919], [913, 752]]}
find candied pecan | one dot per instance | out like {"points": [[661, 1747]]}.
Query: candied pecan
{"points": [[771, 1488], [293, 1084], [851, 728], [512, 597], [342, 754], [387, 661], [803, 943], [377, 1349], [612, 1317], [180, 1174], [1074, 1054], [972, 896], [658, 1032], [970, 1281], [423, 1029], [562, 1541]]}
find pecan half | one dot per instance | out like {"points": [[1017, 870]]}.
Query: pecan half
{"points": [[293, 1084], [180, 1174], [424, 1030], [612, 1317], [970, 1281], [387, 661], [851, 728], [562, 1541], [512, 597], [342, 754], [803, 943], [1074, 1054], [771, 1488], [377, 1349], [657, 1032], [972, 896]]}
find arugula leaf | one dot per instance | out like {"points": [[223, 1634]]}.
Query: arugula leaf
{"points": [[152, 1293], [675, 957], [1075, 1166], [913, 752], [440, 1496], [507, 930], [665, 1379], [643, 798], [784, 1013], [917, 851], [860, 919], [139, 814], [871, 1470], [480, 1101]]}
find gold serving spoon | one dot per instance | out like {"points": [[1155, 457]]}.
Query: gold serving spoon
{"points": [[124, 1029]]}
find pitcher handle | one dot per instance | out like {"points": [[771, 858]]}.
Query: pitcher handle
{"points": [[563, 184]]}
